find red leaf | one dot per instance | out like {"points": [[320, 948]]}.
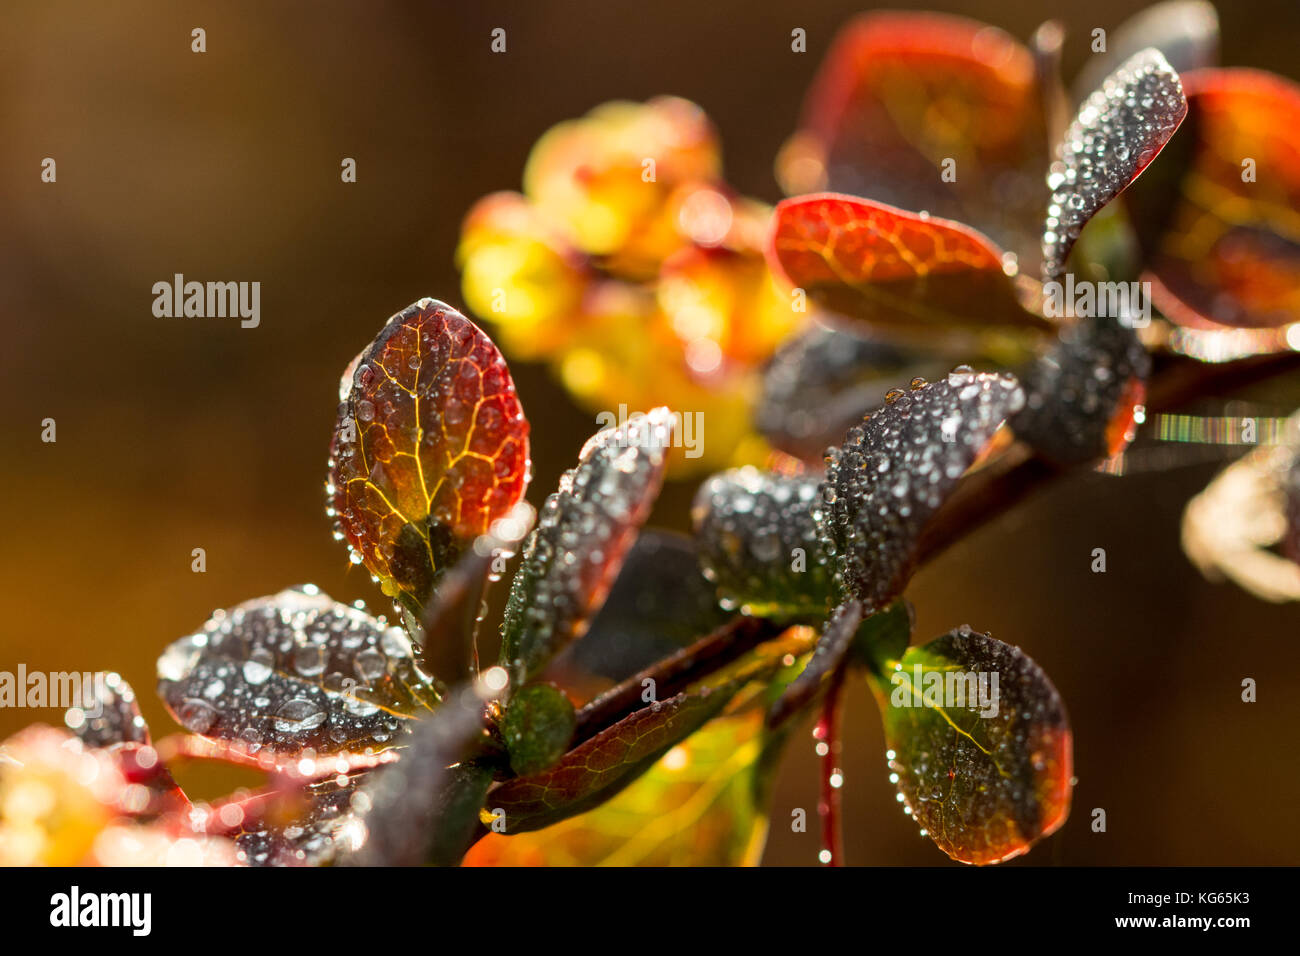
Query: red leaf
{"points": [[1229, 252], [901, 93], [431, 446], [885, 265]]}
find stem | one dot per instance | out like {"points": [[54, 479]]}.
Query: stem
{"points": [[827, 735], [670, 675], [1017, 472]]}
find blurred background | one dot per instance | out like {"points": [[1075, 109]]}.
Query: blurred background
{"points": [[175, 434]]}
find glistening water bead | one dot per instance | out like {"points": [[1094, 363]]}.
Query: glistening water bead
{"points": [[295, 671], [583, 531], [757, 535], [896, 468]]}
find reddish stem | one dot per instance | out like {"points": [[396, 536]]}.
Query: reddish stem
{"points": [[827, 735]]}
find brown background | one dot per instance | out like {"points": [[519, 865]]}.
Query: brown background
{"points": [[176, 434]]}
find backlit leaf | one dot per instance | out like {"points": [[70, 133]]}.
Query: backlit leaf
{"points": [[895, 470], [583, 532], [1121, 127], [887, 266], [1226, 247], [985, 769], [314, 825], [901, 93], [430, 447], [295, 670], [702, 804]]}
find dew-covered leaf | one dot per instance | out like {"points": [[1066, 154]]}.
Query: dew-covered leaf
{"points": [[659, 603], [1082, 397], [883, 265], [430, 447], [537, 727], [758, 542], [315, 825], [600, 767], [980, 744], [109, 715], [584, 530], [1186, 32], [901, 93], [1222, 242], [702, 804], [820, 383], [292, 671], [1118, 131], [895, 469]]}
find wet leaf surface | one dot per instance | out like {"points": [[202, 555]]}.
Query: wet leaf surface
{"points": [[293, 671], [584, 530], [758, 542], [315, 826], [895, 470], [887, 266], [1081, 397], [985, 776], [430, 447], [900, 93], [1118, 131], [110, 715], [1224, 251]]}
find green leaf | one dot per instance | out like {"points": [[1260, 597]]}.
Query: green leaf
{"points": [[538, 725], [979, 745]]}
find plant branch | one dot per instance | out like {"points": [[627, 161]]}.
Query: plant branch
{"points": [[1017, 472]]}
